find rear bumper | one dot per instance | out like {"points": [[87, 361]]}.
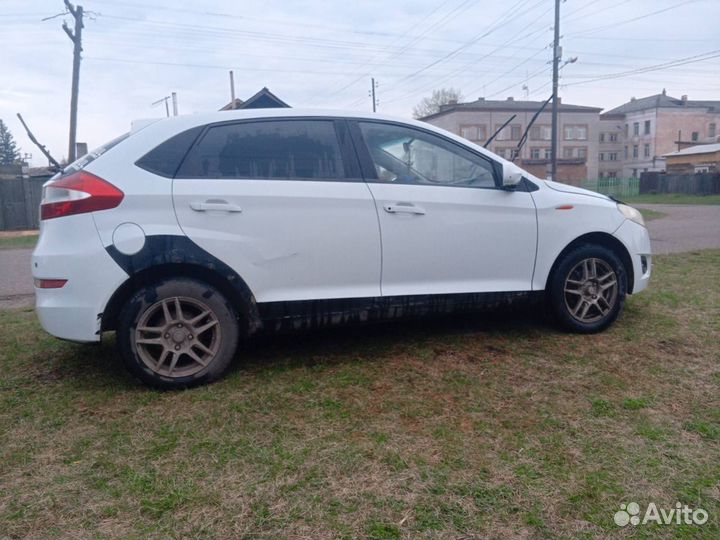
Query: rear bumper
{"points": [[70, 248], [637, 241]]}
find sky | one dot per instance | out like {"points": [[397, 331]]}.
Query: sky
{"points": [[322, 54]]}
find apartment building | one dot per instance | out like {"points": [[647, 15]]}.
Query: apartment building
{"points": [[634, 137], [578, 133]]}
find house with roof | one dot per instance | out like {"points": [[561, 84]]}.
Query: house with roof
{"points": [[701, 158], [636, 136], [264, 99], [577, 133]]}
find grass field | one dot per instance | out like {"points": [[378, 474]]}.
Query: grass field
{"points": [[492, 426], [18, 241], [672, 198], [650, 215]]}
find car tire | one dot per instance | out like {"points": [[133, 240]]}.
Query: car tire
{"points": [[587, 290], [178, 333]]}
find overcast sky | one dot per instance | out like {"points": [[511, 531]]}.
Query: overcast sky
{"points": [[315, 53]]}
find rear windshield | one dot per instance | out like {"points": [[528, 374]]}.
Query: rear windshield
{"points": [[83, 161]]}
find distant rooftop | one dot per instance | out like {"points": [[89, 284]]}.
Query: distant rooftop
{"points": [[509, 104], [263, 99], [699, 149], [661, 100]]}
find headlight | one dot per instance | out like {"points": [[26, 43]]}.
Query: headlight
{"points": [[633, 214]]}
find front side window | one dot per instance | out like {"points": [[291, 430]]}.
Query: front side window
{"points": [[273, 149], [403, 155], [647, 127], [636, 128]]}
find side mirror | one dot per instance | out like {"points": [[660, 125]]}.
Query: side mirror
{"points": [[512, 175]]}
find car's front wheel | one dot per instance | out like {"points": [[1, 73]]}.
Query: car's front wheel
{"points": [[588, 288], [178, 333]]}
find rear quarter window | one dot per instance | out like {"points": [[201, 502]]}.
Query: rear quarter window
{"points": [[165, 159]]}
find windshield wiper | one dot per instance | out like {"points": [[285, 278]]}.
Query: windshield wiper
{"points": [[499, 130], [523, 139]]}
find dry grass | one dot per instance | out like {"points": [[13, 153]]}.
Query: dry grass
{"points": [[484, 426]]}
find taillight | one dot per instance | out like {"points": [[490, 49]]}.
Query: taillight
{"points": [[78, 193]]}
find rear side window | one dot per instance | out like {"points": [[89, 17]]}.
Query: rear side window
{"points": [[275, 149], [166, 158]]}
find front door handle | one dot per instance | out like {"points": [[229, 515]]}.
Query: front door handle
{"points": [[215, 205], [404, 208]]}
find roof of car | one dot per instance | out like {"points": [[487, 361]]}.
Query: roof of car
{"points": [[240, 114]]}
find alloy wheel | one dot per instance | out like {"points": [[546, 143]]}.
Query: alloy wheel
{"points": [[591, 290], [177, 337]]}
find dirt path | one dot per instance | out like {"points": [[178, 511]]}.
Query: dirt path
{"points": [[684, 227]]}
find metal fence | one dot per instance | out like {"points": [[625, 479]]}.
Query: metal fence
{"points": [[617, 187]]}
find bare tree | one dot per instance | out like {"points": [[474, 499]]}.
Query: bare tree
{"points": [[431, 105]]}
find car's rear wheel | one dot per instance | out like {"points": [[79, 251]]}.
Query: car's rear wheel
{"points": [[178, 333], [588, 288]]}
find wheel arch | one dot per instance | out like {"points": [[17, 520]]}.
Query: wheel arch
{"points": [[166, 257], [602, 239]]}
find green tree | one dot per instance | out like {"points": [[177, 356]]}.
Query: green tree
{"points": [[9, 152], [431, 105]]}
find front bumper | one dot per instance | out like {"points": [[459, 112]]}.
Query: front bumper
{"points": [[636, 240]]}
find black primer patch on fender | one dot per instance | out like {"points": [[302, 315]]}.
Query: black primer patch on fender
{"points": [[170, 249]]}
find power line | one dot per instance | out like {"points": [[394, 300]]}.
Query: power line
{"points": [[497, 24], [633, 19], [482, 57], [400, 51], [668, 65]]}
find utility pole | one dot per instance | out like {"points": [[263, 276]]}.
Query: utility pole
{"points": [[232, 90], [557, 53], [76, 37], [373, 86]]}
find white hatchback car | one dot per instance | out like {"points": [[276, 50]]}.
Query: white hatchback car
{"points": [[191, 233]]}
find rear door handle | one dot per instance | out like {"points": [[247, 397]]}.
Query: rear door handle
{"points": [[404, 208], [218, 205]]}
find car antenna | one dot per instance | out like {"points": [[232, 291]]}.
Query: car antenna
{"points": [[523, 139], [499, 130]]}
